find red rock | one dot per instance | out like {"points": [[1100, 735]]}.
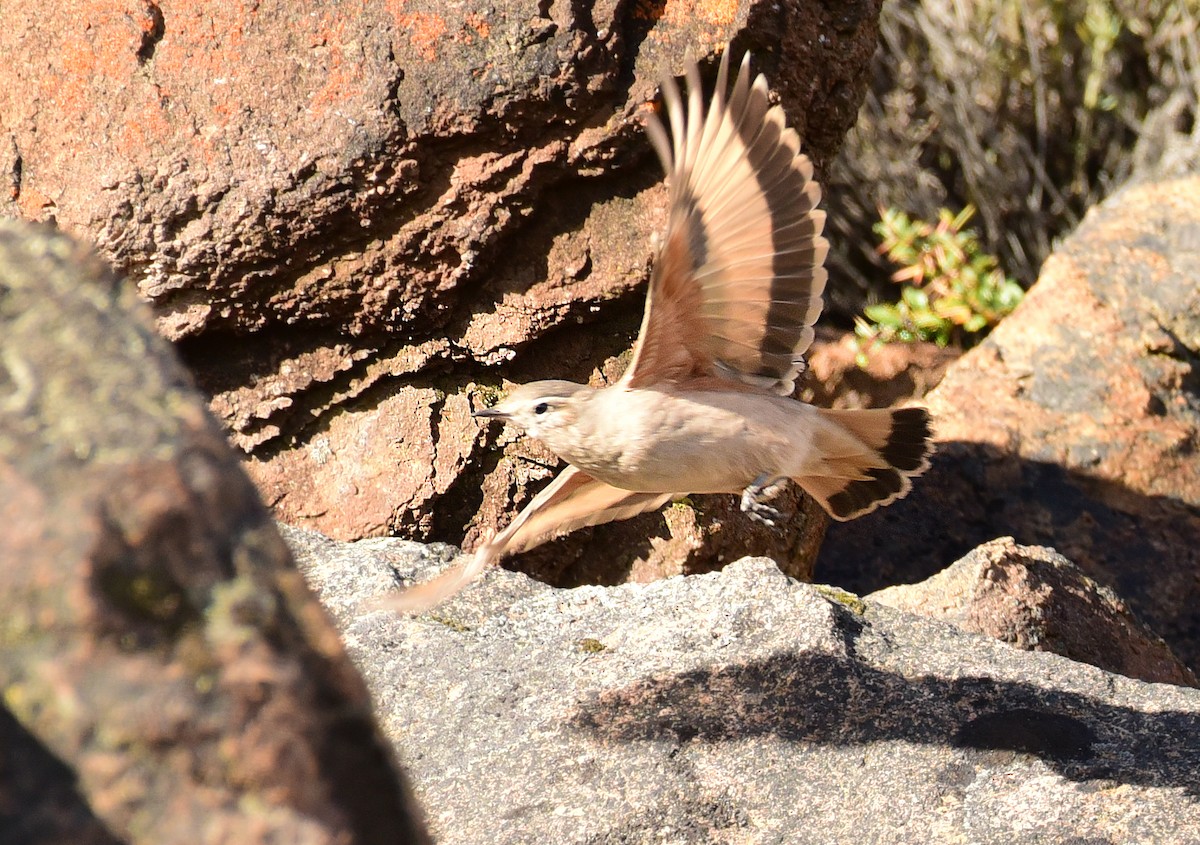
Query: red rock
{"points": [[1074, 425], [894, 374], [341, 211], [1035, 599]]}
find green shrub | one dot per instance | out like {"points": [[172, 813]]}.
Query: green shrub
{"points": [[953, 290], [1031, 111]]}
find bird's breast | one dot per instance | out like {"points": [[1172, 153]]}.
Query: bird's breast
{"points": [[678, 441]]}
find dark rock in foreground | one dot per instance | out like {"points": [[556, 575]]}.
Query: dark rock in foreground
{"points": [[167, 676], [744, 707]]}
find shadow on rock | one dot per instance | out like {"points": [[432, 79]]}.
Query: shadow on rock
{"points": [[1147, 548], [39, 799], [824, 699]]}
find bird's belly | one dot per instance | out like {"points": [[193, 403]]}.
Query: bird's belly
{"points": [[687, 443]]}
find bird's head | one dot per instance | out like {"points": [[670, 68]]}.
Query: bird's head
{"points": [[541, 408]]}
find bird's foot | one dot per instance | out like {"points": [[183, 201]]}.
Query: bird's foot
{"points": [[755, 498]]}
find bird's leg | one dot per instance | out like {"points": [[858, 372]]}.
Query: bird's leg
{"points": [[755, 497]]}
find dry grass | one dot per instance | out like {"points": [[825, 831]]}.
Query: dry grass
{"points": [[1030, 111]]}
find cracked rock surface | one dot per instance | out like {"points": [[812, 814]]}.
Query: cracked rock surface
{"points": [[744, 707]]}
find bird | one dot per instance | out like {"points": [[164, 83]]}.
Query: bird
{"points": [[705, 404]]}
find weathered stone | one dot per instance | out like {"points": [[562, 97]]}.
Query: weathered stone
{"points": [[1034, 598], [1075, 425], [742, 706], [167, 676], [893, 374], [352, 215]]}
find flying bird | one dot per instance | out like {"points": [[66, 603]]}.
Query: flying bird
{"points": [[705, 404]]}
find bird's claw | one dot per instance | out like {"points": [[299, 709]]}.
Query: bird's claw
{"points": [[756, 496], [760, 512]]}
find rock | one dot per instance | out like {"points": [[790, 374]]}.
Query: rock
{"points": [[167, 676], [1034, 598], [1074, 425], [893, 374], [352, 217], [742, 706]]}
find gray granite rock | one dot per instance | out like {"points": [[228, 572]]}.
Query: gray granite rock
{"points": [[744, 707], [1034, 598]]}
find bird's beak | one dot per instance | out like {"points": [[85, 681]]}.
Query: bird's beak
{"points": [[489, 413]]}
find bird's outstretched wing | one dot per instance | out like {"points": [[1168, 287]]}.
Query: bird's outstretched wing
{"points": [[573, 500], [737, 284]]}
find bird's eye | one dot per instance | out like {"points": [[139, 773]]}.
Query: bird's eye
{"points": [[541, 408]]}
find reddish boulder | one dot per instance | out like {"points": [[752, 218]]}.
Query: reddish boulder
{"points": [[892, 374], [351, 216], [1035, 599], [1075, 425]]}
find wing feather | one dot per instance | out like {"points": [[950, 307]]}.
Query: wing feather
{"points": [[739, 280], [572, 500]]}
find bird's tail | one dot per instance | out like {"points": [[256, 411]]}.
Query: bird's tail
{"points": [[867, 458]]}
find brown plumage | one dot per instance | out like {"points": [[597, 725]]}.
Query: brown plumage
{"points": [[738, 285], [703, 406]]}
